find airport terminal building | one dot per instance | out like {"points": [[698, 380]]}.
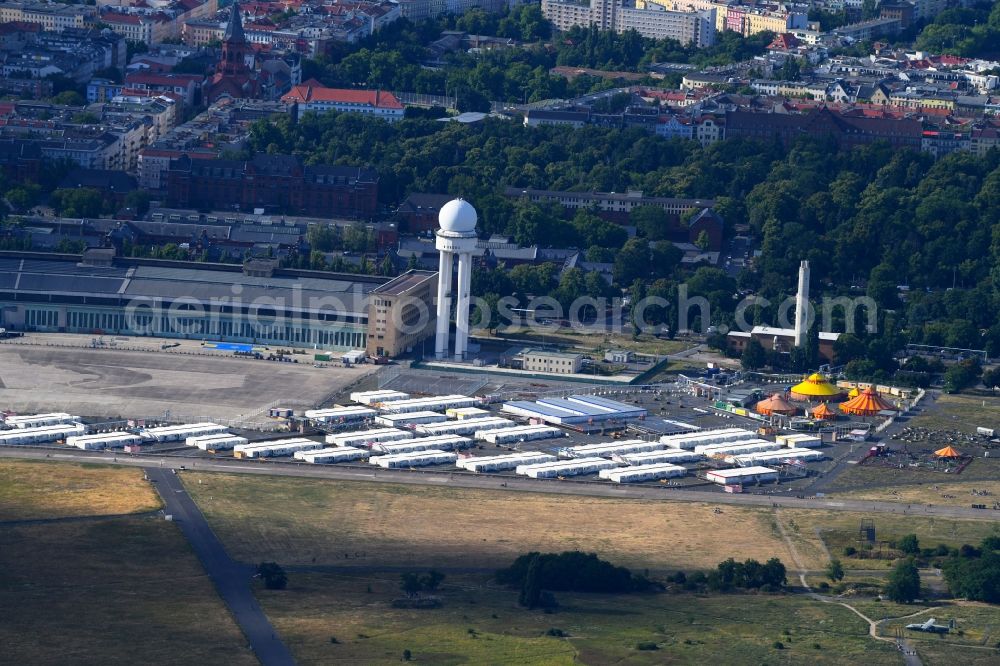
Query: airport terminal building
{"points": [[256, 303]]}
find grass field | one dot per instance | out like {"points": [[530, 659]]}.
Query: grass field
{"points": [[117, 591], [815, 532], [480, 623], [977, 626], [959, 412], [305, 520], [51, 490], [942, 494], [874, 482]]}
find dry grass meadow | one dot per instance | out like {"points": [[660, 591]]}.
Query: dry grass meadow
{"points": [[301, 521], [30, 490], [116, 591]]}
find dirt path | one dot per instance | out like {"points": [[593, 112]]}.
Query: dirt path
{"points": [[909, 654]]}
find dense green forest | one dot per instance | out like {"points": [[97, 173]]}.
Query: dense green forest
{"points": [[870, 219], [391, 59], [966, 31]]}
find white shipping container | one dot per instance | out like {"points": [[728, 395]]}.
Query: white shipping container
{"points": [[665, 456], [221, 442], [281, 447], [376, 397], [39, 420], [466, 426], [433, 404], [409, 419], [439, 442], [519, 434], [41, 434], [104, 440], [340, 414], [368, 437], [500, 463], [414, 459], [608, 449], [332, 455], [577, 467], [177, 433], [642, 473], [466, 413]]}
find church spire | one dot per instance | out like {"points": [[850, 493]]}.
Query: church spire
{"points": [[234, 29]]}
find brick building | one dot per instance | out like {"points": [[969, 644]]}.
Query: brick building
{"points": [[276, 183], [847, 131]]}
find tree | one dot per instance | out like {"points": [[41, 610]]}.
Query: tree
{"points": [[754, 356], [410, 584], [431, 580], [273, 575], [903, 585], [82, 202], [138, 201], [835, 570], [909, 544], [703, 241], [632, 262], [991, 378], [531, 589], [650, 221], [69, 98]]}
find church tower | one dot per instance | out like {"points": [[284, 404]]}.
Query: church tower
{"points": [[235, 47]]}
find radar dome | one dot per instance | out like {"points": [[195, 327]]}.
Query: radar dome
{"points": [[459, 216]]}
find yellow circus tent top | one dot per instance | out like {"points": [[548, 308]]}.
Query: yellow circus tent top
{"points": [[947, 452], [816, 387], [854, 392], [868, 403], [823, 411]]}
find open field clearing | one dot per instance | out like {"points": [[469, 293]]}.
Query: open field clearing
{"points": [[142, 384], [480, 623], [815, 532], [977, 626], [959, 412], [30, 490], [942, 494], [877, 482], [302, 521], [117, 591]]}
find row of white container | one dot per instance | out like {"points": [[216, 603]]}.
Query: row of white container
{"points": [[433, 404], [740, 475], [340, 414], [409, 419], [368, 437], [41, 434], [222, 441], [694, 439], [375, 397], [439, 443], [608, 449], [38, 420], [104, 440], [414, 459], [741, 446], [674, 456], [640, 473], [177, 433], [519, 434], [281, 447], [775, 456], [332, 455], [465, 426], [577, 467], [501, 463]]}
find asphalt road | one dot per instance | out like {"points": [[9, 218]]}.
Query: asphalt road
{"points": [[503, 484], [232, 579]]}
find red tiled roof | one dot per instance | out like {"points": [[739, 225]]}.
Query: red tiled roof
{"points": [[375, 98]]}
